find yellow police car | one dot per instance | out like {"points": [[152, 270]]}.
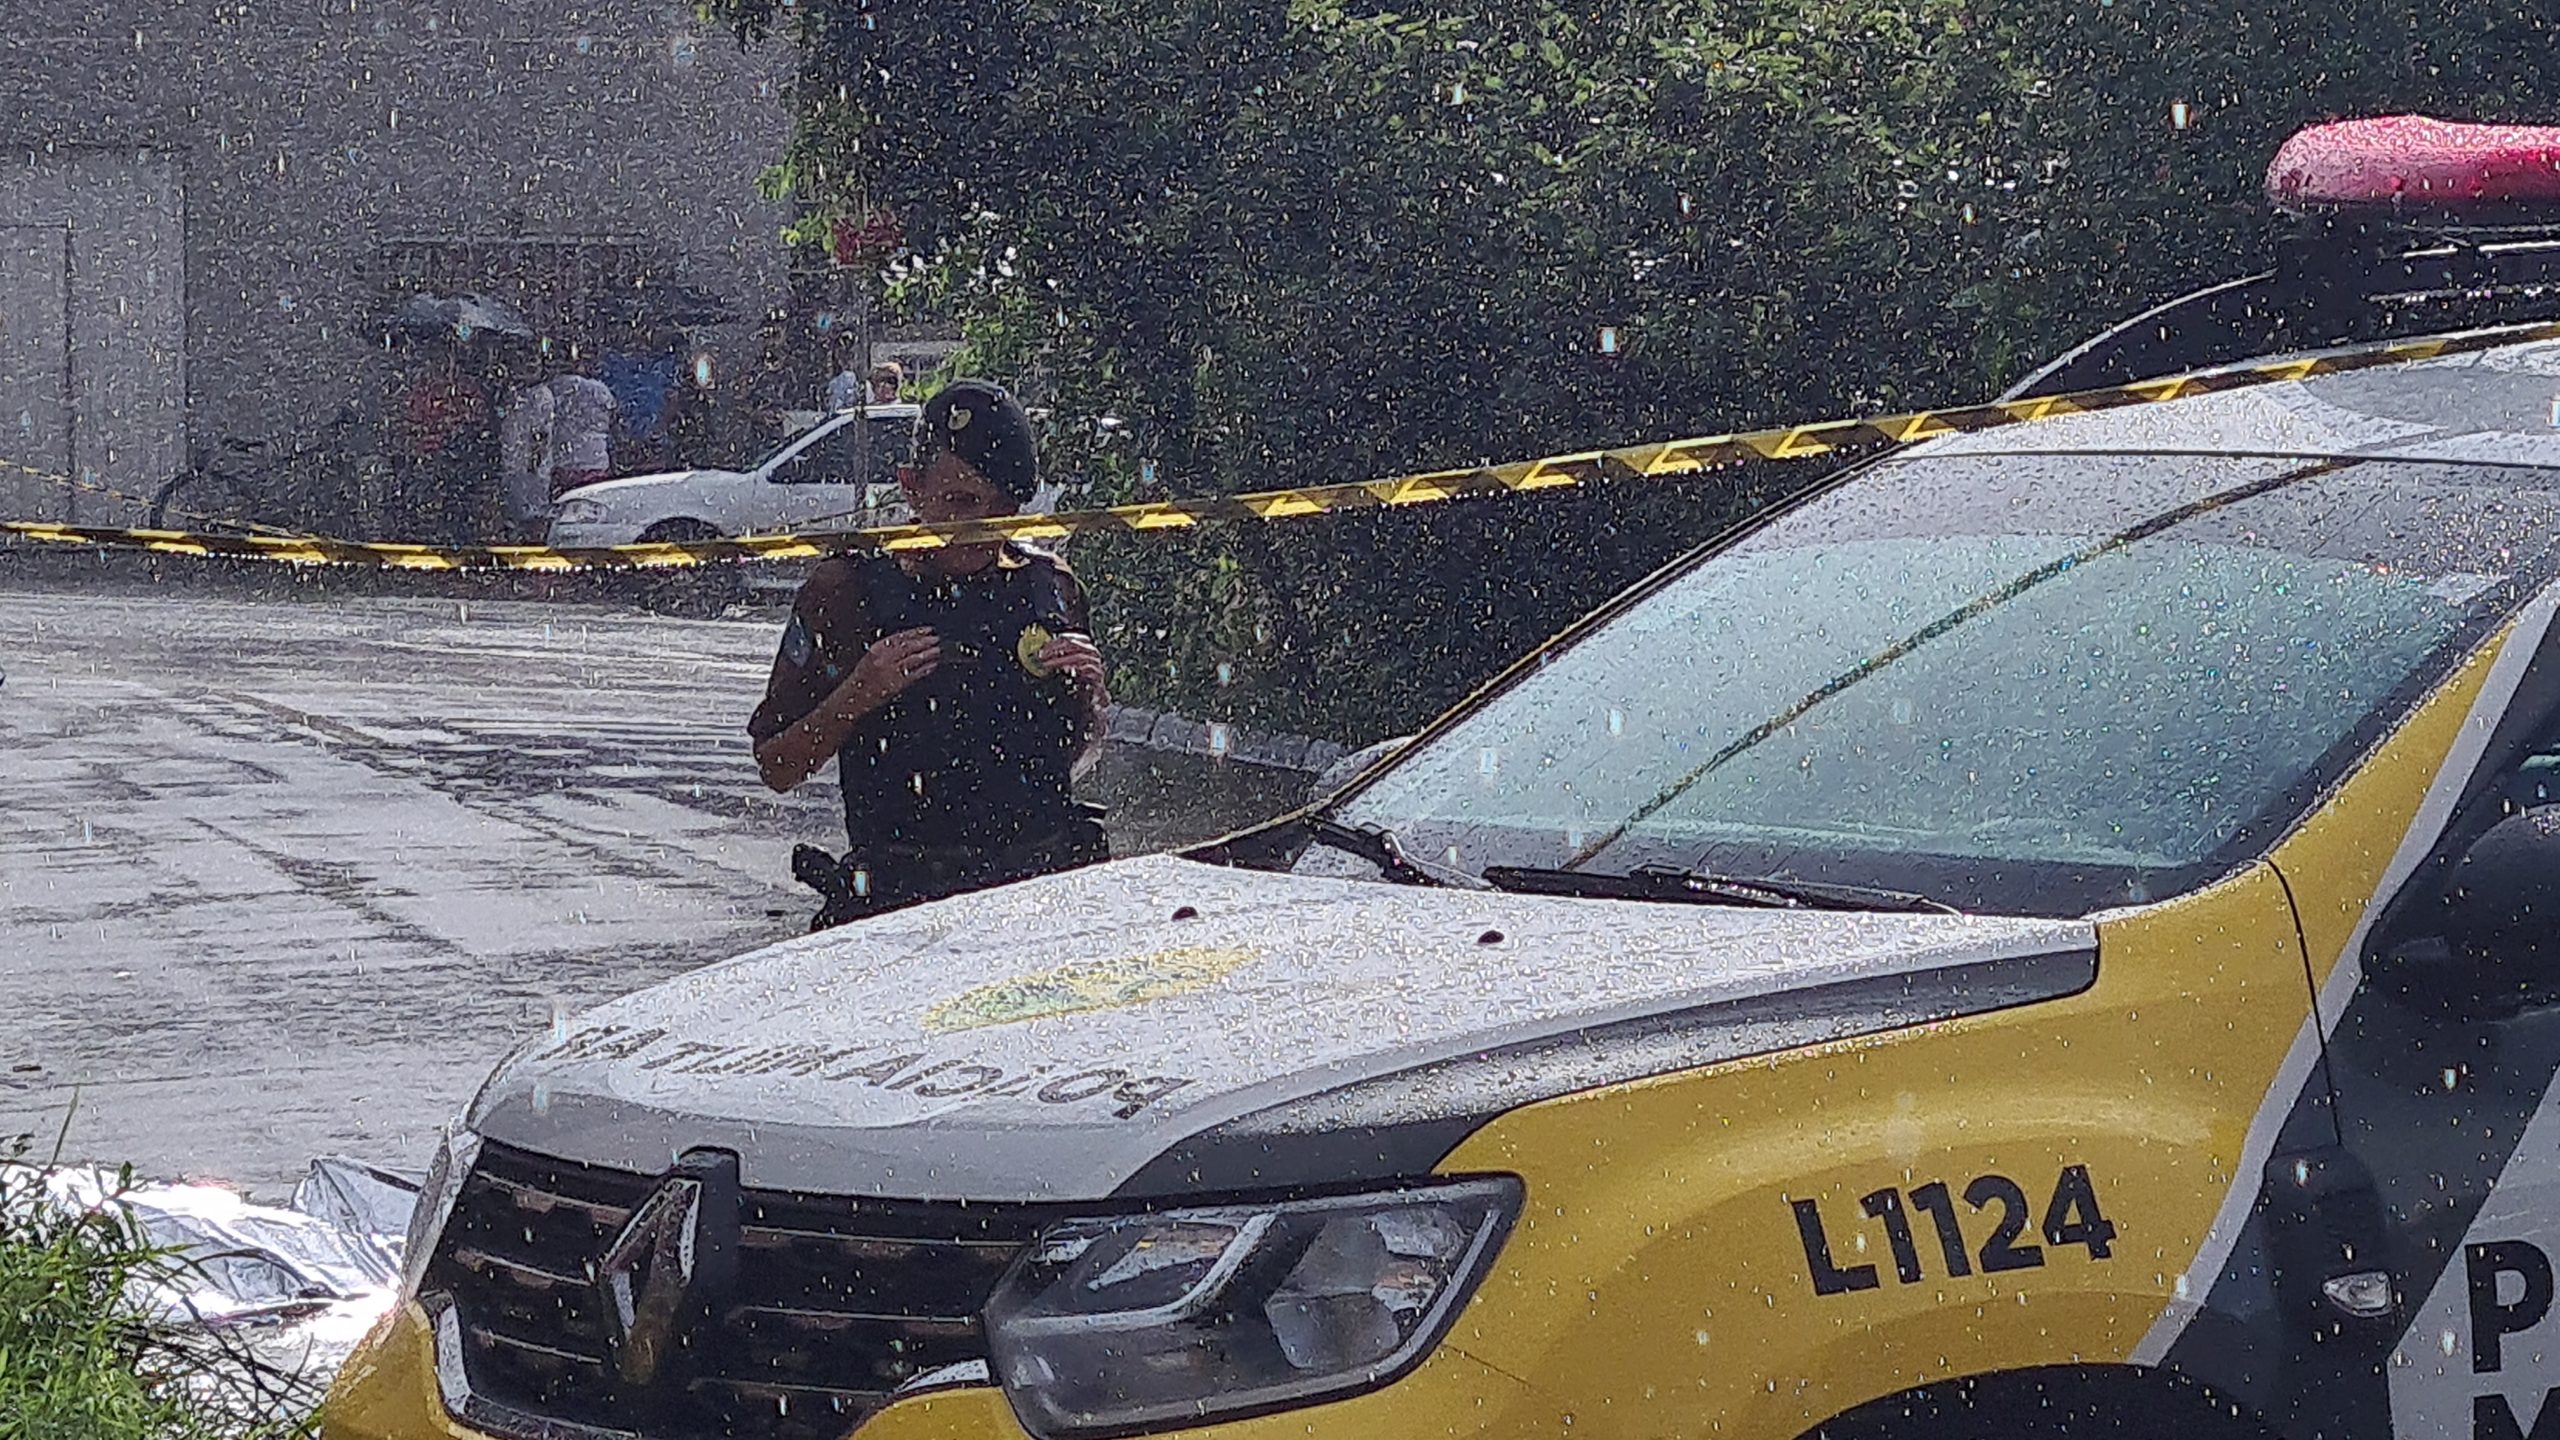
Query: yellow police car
{"points": [[2056, 933]]}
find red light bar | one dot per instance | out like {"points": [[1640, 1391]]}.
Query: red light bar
{"points": [[2409, 162]]}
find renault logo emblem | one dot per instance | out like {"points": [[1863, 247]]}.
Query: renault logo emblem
{"points": [[670, 1264]]}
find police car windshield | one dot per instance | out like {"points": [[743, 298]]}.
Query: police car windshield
{"points": [[2029, 684]]}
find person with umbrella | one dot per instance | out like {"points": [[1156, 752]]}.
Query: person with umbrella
{"points": [[451, 447]]}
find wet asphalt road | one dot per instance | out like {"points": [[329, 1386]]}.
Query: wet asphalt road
{"points": [[284, 877]]}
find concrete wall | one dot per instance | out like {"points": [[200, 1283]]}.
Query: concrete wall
{"points": [[296, 141], [35, 367], [92, 325]]}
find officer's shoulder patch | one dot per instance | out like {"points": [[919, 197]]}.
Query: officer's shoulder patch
{"points": [[797, 644]]}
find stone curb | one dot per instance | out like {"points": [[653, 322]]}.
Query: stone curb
{"points": [[1181, 734]]}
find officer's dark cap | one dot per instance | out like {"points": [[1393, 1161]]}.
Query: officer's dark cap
{"points": [[979, 421]]}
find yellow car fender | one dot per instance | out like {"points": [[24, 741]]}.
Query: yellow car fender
{"points": [[1661, 1266]]}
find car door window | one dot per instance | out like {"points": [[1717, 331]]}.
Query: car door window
{"points": [[828, 460], [2443, 1061], [2461, 885]]}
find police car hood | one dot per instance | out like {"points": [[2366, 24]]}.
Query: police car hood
{"points": [[1163, 1025]]}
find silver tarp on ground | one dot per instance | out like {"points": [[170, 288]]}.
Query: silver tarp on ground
{"points": [[298, 1285], [339, 1241]]}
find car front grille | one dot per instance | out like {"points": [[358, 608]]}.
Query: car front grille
{"points": [[838, 1301]]}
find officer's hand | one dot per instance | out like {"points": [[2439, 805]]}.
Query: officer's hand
{"points": [[895, 662], [1075, 656]]}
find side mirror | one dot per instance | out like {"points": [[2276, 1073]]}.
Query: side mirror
{"points": [[2502, 900], [2490, 944]]}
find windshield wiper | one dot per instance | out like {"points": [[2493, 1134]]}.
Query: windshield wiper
{"points": [[1662, 882], [1379, 846]]}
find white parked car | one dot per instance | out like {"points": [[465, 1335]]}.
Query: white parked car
{"points": [[818, 479]]}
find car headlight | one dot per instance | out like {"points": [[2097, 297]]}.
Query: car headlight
{"points": [[578, 512], [1183, 1316], [456, 1152]]}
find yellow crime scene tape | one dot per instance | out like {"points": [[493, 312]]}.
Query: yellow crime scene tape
{"points": [[1657, 460]]}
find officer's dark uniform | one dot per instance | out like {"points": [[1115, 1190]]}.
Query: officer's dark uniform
{"points": [[964, 780]]}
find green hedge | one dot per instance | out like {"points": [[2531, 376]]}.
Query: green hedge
{"points": [[1315, 241]]}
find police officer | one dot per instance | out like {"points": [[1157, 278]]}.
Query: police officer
{"points": [[955, 688]]}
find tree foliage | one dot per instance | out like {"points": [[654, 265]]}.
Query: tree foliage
{"points": [[1308, 240]]}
